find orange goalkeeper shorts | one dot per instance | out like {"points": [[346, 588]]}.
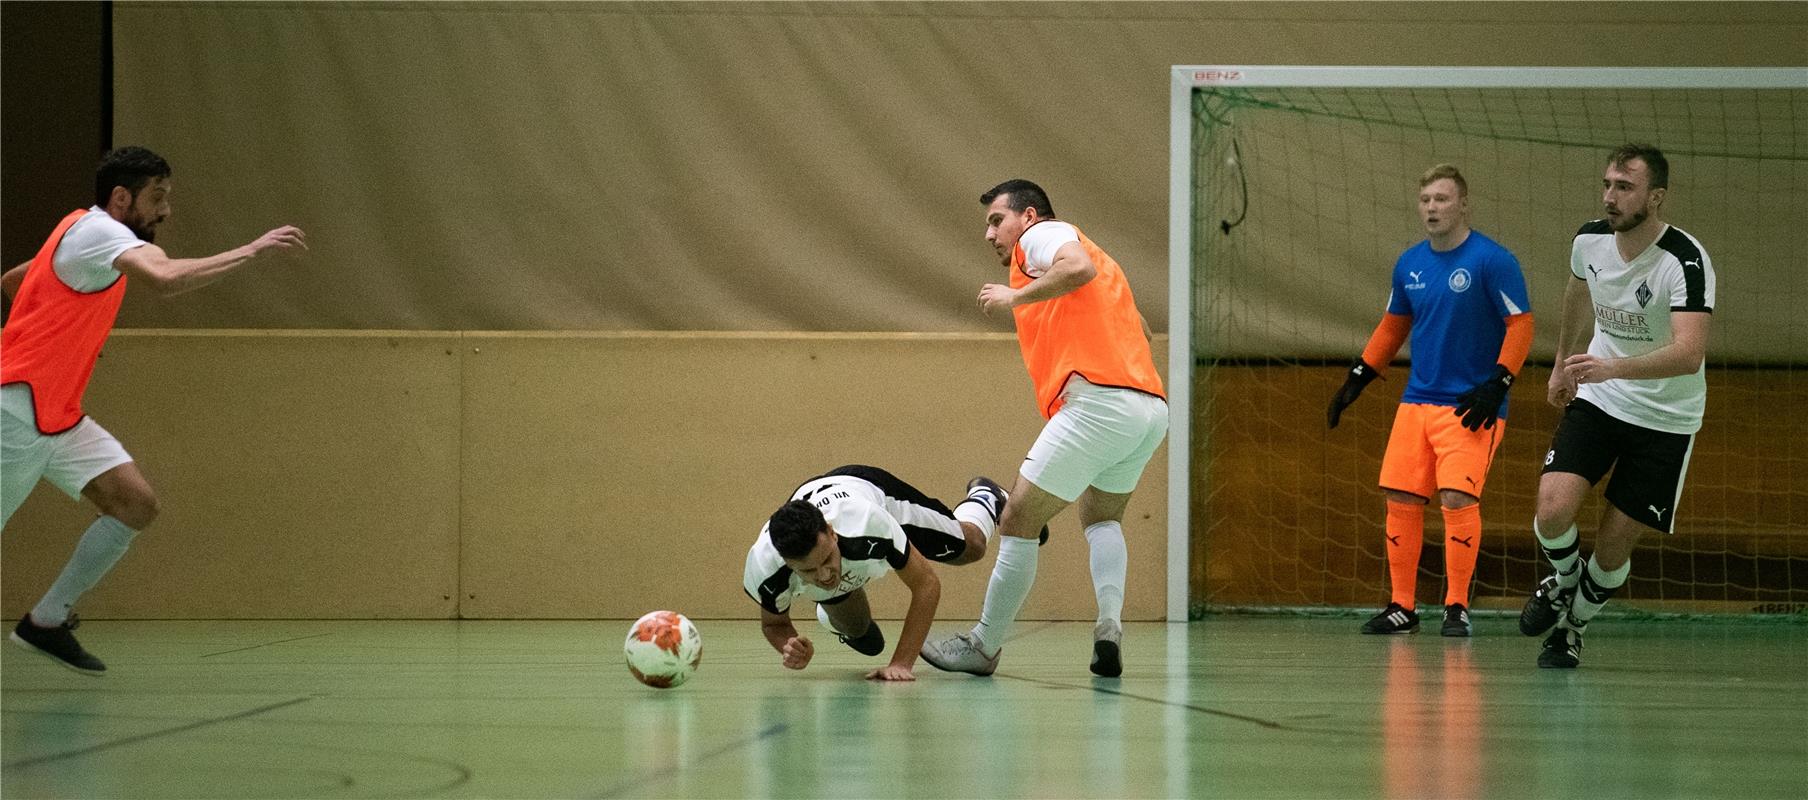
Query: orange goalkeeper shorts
{"points": [[1429, 449]]}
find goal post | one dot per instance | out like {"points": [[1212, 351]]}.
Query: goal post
{"points": [[1322, 162]]}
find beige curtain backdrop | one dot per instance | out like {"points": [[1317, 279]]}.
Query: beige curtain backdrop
{"points": [[735, 166]]}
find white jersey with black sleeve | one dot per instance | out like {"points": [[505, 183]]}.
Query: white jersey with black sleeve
{"points": [[1633, 301], [871, 542]]}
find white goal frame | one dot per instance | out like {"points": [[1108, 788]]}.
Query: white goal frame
{"points": [[1184, 79]]}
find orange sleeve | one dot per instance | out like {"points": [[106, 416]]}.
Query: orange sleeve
{"points": [[1385, 342], [1518, 342]]}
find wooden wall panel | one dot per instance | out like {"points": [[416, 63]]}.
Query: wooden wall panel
{"points": [[301, 475], [1287, 513], [608, 475], [348, 475]]}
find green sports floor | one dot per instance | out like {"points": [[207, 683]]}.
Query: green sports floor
{"points": [[1234, 706]]}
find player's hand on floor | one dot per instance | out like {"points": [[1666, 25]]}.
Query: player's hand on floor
{"points": [[798, 652], [891, 672]]}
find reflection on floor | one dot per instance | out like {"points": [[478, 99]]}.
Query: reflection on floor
{"points": [[1237, 707]]}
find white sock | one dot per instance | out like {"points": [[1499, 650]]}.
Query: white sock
{"points": [[975, 512], [1563, 551], [1110, 560], [1597, 586], [1012, 576], [99, 549]]}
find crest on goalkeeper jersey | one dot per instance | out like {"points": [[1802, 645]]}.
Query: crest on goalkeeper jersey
{"points": [[1460, 280]]}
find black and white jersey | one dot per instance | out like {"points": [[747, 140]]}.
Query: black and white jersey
{"points": [[872, 542], [1633, 302]]}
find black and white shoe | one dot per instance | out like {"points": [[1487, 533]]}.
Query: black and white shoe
{"points": [[870, 643], [988, 493], [59, 644], [1107, 648], [1456, 620], [1395, 618], [1546, 605], [1562, 649]]}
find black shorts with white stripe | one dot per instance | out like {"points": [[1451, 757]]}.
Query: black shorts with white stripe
{"points": [[1648, 465]]}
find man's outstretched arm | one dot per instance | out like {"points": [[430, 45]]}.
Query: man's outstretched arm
{"points": [[170, 276]]}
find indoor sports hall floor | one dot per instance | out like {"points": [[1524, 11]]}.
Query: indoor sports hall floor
{"points": [[1235, 706]]}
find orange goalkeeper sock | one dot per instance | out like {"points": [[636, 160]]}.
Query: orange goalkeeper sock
{"points": [[1405, 538], [1462, 543]]}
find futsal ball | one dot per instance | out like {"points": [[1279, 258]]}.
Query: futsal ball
{"points": [[663, 649]]}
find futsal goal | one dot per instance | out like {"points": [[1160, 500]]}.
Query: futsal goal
{"points": [[1293, 190]]}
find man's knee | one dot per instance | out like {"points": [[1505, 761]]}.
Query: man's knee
{"points": [[1029, 510], [1452, 498], [976, 550], [1559, 501], [136, 506]]}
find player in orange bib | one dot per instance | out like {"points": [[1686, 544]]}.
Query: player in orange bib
{"points": [[1087, 350], [64, 303]]}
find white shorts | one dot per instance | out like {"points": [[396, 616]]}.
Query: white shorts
{"points": [[1102, 437], [68, 460]]}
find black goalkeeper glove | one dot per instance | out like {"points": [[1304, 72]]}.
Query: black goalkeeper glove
{"points": [[1361, 375], [1479, 407]]}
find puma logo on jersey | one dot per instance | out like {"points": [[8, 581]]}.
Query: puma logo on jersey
{"points": [[947, 550], [1593, 271], [1469, 542], [1393, 540], [1658, 512], [1470, 480]]}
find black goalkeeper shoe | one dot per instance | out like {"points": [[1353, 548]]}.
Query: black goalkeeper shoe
{"points": [[1456, 620], [1395, 618]]}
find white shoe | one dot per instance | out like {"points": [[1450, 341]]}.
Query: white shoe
{"points": [[960, 653]]}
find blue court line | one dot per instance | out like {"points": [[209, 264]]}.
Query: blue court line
{"points": [[267, 644], [639, 783], [1266, 723], [68, 754]]}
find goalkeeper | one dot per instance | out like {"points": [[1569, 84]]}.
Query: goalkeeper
{"points": [[1462, 299]]}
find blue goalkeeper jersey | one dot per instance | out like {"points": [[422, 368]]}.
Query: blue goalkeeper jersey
{"points": [[1459, 301]]}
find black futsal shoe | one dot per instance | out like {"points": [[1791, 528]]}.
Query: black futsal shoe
{"points": [[1545, 606], [59, 644], [1395, 618], [1456, 620]]}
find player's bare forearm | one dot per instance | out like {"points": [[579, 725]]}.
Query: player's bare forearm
{"points": [[916, 626], [1067, 274], [1576, 325], [777, 630], [1668, 361], [1682, 356], [170, 276], [925, 595]]}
